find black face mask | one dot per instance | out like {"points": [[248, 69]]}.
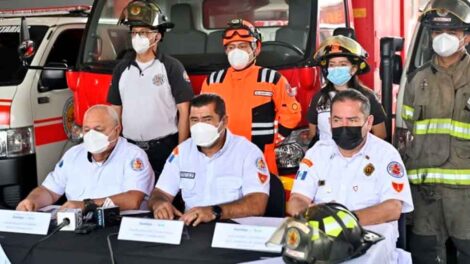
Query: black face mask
{"points": [[347, 137]]}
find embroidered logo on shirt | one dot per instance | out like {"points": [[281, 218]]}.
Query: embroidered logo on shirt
{"points": [[158, 79], [301, 175], [398, 186], [307, 162], [369, 169], [173, 155], [262, 177], [187, 175], [395, 169], [263, 93], [137, 164]]}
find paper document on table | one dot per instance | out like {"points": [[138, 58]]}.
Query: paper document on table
{"points": [[3, 257], [260, 221]]}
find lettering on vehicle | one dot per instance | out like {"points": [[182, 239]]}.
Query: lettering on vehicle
{"points": [[9, 29]]}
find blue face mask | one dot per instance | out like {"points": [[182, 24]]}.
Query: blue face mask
{"points": [[339, 75]]}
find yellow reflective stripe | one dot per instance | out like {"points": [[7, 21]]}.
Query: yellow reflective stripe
{"points": [[407, 112], [332, 228], [347, 219], [443, 126], [315, 225], [438, 175]]}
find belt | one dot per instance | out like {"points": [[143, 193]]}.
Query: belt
{"points": [[145, 145]]}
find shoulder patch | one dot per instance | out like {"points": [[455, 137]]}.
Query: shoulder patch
{"points": [[260, 164], [263, 178], [137, 164], [216, 77], [397, 186], [395, 169], [174, 154]]}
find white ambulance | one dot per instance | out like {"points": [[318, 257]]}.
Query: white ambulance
{"points": [[35, 104]]}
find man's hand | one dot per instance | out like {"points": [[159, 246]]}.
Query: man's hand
{"points": [[27, 205], [165, 210], [73, 204], [198, 215]]}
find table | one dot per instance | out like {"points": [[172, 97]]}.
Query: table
{"points": [[68, 247]]}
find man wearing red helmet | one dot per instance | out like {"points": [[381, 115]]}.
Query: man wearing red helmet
{"points": [[260, 102]]}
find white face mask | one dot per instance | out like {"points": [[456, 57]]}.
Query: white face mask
{"points": [[95, 142], [140, 44], [238, 59], [445, 44], [204, 135]]}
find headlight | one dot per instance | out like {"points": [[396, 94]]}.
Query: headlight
{"points": [[16, 142], [292, 150]]}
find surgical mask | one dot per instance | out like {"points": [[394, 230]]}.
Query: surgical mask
{"points": [[238, 59], [204, 135], [347, 137], [140, 44], [445, 44], [339, 75], [95, 142]]}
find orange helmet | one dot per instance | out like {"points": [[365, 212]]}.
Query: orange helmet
{"points": [[241, 30]]}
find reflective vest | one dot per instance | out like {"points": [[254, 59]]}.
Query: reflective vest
{"points": [[436, 108]]}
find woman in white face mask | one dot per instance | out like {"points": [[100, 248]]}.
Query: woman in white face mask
{"points": [[341, 59]]}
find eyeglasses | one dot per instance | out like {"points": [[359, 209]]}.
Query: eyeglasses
{"points": [[141, 33]]}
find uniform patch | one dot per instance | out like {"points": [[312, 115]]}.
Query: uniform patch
{"points": [[263, 93], [158, 79], [262, 177], [301, 175], [369, 169], [295, 106], [187, 175], [395, 169], [307, 162], [186, 77], [137, 164], [398, 186], [174, 154], [260, 165]]}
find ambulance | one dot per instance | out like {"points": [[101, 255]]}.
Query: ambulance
{"points": [[36, 112]]}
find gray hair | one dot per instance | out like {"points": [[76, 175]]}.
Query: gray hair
{"points": [[109, 109], [353, 95]]}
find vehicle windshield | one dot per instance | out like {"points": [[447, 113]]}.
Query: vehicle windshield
{"points": [[196, 40], [11, 70]]}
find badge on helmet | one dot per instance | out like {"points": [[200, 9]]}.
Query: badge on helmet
{"points": [[325, 233], [144, 13]]}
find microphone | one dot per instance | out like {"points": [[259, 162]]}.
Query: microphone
{"points": [[70, 217]]}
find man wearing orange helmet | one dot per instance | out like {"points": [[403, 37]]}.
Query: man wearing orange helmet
{"points": [[260, 101]]}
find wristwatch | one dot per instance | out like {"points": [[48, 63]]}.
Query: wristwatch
{"points": [[89, 204], [217, 211]]}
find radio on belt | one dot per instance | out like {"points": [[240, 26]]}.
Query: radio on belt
{"points": [[73, 214]]}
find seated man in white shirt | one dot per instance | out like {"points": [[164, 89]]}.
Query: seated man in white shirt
{"points": [[221, 175], [104, 166], [357, 169]]}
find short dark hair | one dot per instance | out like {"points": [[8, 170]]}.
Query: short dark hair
{"points": [[209, 98], [353, 95]]}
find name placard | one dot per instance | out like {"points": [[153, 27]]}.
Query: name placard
{"points": [[246, 237], [24, 222], [151, 230]]}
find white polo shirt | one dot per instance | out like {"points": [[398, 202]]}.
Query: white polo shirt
{"points": [[80, 177], [373, 175], [236, 170]]}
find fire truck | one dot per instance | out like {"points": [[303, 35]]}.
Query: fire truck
{"points": [[35, 104], [291, 31]]}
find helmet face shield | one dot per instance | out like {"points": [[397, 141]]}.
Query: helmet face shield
{"points": [[447, 14]]}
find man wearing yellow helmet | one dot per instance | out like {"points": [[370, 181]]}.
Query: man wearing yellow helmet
{"points": [[436, 108]]}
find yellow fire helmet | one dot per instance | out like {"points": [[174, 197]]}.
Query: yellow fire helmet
{"points": [[341, 46], [323, 234]]}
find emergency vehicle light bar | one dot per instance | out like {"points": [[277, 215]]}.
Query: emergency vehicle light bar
{"points": [[49, 11]]}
